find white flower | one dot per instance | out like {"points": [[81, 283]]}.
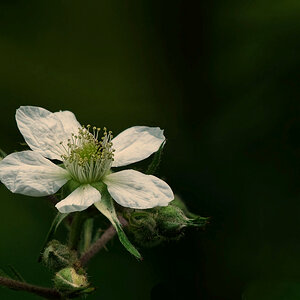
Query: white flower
{"points": [[85, 158]]}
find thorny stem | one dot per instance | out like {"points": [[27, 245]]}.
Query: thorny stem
{"points": [[108, 234], [47, 293]]}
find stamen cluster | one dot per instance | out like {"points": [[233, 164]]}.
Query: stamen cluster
{"points": [[87, 158]]}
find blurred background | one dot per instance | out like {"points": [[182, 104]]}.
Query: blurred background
{"points": [[221, 78]]}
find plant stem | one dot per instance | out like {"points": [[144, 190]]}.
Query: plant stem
{"points": [[47, 293], [108, 234], [87, 233], [75, 230]]}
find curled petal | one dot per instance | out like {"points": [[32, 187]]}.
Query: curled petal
{"points": [[136, 190], [43, 130], [29, 173], [80, 199], [135, 144]]}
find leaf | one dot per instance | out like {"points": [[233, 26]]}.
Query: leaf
{"points": [[106, 207], [156, 160], [55, 223]]}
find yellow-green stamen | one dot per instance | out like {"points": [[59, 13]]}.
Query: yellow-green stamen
{"points": [[87, 158]]}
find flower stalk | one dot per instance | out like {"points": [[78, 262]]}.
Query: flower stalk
{"points": [[47, 293], [75, 231], [108, 234]]}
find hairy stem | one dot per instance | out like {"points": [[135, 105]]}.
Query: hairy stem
{"points": [[108, 234], [47, 293]]}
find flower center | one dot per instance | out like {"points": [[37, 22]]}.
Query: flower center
{"points": [[87, 158]]}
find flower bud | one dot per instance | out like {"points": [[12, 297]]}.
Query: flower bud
{"points": [[171, 221], [153, 226], [57, 256], [68, 280], [143, 226]]}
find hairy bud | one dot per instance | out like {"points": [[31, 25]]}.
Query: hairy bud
{"points": [[68, 280], [57, 256], [153, 226]]}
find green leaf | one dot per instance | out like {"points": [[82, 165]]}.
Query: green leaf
{"points": [[152, 168], [106, 207], [56, 222]]}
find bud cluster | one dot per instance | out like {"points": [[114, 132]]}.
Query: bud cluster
{"points": [[70, 278], [153, 226]]}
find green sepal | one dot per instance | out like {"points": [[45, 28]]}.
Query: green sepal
{"points": [[15, 274], [178, 202], [55, 223], [70, 281], [156, 160], [12, 273], [106, 207], [2, 154]]}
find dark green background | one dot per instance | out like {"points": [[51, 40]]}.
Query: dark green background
{"points": [[221, 78]]}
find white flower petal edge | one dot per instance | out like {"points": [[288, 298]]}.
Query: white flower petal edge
{"points": [[133, 189], [43, 130], [29, 173], [80, 199], [135, 144]]}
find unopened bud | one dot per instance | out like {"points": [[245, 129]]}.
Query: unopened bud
{"points": [[57, 256], [68, 280], [153, 226], [142, 225]]}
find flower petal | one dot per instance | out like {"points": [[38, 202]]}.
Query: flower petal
{"points": [[80, 199], [136, 190], [68, 121], [43, 130], [135, 144], [29, 173]]}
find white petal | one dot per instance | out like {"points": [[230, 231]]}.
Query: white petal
{"points": [[165, 192], [68, 121], [44, 130], [29, 173], [135, 144], [80, 199], [136, 190]]}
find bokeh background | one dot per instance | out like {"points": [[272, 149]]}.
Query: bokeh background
{"points": [[221, 78]]}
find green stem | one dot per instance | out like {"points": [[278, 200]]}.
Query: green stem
{"points": [[87, 233], [108, 234], [75, 231]]}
